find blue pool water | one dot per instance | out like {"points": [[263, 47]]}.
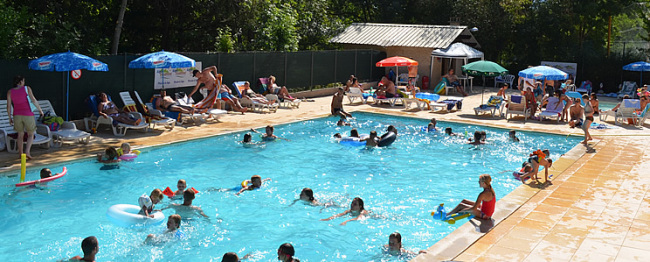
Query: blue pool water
{"points": [[401, 185]]}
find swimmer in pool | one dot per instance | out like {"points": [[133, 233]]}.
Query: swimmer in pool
{"points": [[513, 136], [269, 136], [449, 133], [395, 248], [248, 141], [173, 230], [356, 210], [307, 195], [90, 247], [255, 183], [477, 139], [354, 132]]}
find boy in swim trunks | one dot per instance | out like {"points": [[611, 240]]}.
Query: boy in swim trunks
{"points": [[372, 140], [173, 230], [226, 95], [337, 104], [147, 202]]}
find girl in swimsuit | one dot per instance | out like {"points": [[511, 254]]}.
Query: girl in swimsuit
{"points": [[107, 108], [483, 207]]}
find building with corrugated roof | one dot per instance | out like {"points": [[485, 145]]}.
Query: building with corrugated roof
{"points": [[414, 41]]}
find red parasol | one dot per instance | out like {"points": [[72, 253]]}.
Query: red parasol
{"points": [[396, 61]]}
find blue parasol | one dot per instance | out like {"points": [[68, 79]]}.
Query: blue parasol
{"points": [[544, 73], [640, 66], [162, 59], [65, 62]]}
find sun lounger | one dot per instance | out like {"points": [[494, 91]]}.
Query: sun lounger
{"points": [[42, 136], [419, 103], [641, 117], [391, 101], [627, 88], [517, 106], [356, 93], [67, 131], [493, 104], [554, 109], [119, 129], [156, 116], [585, 87], [627, 110]]}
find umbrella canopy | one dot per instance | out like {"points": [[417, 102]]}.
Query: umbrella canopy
{"points": [[544, 73], [67, 61], [637, 66], [162, 59], [640, 66], [484, 68], [396, 61]]}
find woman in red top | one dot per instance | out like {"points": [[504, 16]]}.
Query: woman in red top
{"points": [[484, 206]]}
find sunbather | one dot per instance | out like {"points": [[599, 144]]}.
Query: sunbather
{"points": [[166, 103], [531, 103], [502, 91], [226, 95], [282, 92], [255, 97], [107, 108], [453, 81]]}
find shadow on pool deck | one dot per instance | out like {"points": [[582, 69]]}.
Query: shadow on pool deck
{"points": [[597, 208]]}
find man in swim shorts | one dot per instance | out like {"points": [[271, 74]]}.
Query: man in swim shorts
{"points": [[337, 104], [227, 96]]}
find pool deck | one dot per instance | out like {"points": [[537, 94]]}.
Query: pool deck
{"points": [[596, 209]]}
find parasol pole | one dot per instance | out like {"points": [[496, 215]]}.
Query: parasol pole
{"points": [[67, 96]]}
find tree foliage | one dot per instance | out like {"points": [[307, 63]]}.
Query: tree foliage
{"points": [[515, 33]]}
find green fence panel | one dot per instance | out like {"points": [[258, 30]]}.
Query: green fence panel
{"points": [[345, 65], [324, 67], [299, 68]]}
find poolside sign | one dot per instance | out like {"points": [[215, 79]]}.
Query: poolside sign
{"points": [[75, 74], [175, 77]]}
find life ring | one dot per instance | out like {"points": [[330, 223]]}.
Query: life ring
{"points": [[126, 215], [128, 157], [387, 139], [353, 141], [44, 180]]}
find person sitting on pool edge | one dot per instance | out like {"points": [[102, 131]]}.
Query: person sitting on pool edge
{"points": [[395, 248], [286, 253], [255, 183], [90, 247], [483, 207], [173, 230], [356, 210]]}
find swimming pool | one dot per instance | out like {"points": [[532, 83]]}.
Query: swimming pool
{"points": [[401, 185]]}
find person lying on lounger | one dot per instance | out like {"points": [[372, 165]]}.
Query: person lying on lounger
{"points": [[250, 94], [107, 108], [166, 103]]}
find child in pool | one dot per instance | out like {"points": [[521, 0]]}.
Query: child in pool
{"points": [[483, 207], [477, 139], [173, 230], [255, 183], [372, 140], [286, 253], [269, 136], [513, 136], [307, 195], [124, 149], [232, 257], [45, 173], [354, 132], [109, 156], [356, 210], [181, 185], [449, 132], [342, 122], [248, 141], [395, 248], [432, 125], [147, 202]]}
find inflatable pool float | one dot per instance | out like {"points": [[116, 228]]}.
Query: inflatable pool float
{"points": [[44, 180], [130, 156], [170, 193], [387, 139], [353, 141], [125, 215]]}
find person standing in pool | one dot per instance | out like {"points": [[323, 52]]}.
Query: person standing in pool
{"points": [[483, 207], [371, 141], [356, 210], [268, 136], [187, 209], [513, 136], [173, 230], [90, 247]]}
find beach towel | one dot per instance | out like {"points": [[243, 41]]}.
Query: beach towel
{"points": [[601, 126], [207, 102]]}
